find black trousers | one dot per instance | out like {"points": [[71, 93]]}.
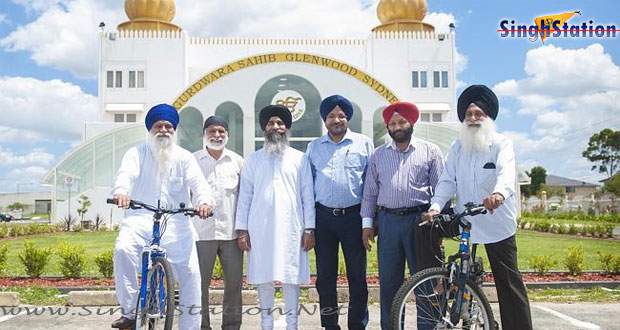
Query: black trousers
{"points": [[514, 306], [332, 231]]}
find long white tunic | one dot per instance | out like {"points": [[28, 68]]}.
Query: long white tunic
{"points": [[472, 176], [276, 204], [137, 177]]}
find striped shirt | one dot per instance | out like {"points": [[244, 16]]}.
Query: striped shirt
{"points": [[397, 179]]}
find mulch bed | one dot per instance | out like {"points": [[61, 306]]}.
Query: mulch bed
{"points": [[83, 282]]}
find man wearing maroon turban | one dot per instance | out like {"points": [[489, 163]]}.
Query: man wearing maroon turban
{"points": [[400, 180]]}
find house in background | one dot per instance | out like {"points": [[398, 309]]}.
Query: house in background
{"points": [[571, 187]]}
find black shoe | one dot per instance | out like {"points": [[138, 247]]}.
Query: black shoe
{"points": [[124, 323]]}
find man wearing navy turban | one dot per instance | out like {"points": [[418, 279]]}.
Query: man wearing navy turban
{"points": [[339, 160], [480, 168], [152, 172]]}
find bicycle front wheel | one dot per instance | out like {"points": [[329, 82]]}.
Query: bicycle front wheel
{"points": [[158, 311], [426, 299]]}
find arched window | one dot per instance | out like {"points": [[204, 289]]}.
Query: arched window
{"points": [[189, 130], [234, 116], [302, 98], [379, 130]]}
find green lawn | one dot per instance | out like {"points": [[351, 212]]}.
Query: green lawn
{"points": [[529, 244], [94, 244]]}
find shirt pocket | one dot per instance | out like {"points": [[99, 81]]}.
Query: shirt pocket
{"points": [[418, 175], [355, 164]]}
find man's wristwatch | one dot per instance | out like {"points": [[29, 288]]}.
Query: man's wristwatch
{"points": [[309, 231]]}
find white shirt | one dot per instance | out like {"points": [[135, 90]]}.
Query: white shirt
{"points": [[276, 204], [473, 176], [223, 177], [137, 178]]}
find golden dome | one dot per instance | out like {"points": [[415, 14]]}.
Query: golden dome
{"points": [[402, 15], [149, 15]]}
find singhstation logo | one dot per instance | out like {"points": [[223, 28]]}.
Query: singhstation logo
{"points": [[556, 26]]}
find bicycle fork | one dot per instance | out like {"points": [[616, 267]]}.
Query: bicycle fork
{"points": [[461, 303]]}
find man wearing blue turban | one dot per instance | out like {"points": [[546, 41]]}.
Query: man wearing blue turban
{"points": [[159, 170], [338, 161]]}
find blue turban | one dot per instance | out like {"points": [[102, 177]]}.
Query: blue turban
{"points": [[329, 103], [162, 112]]}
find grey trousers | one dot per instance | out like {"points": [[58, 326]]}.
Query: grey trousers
{"points": [[231, 259]]}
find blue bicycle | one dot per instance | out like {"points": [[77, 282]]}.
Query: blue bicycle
{"points": [[155, 305], [447, 297]]}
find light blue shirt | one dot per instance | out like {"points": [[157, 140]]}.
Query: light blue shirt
{"points": [[339, 169]]}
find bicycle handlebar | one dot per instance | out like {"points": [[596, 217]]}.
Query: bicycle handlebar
{"points": [[136, 205], [471, 209]]}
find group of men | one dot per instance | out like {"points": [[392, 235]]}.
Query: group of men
{"points": [[341, 193]]}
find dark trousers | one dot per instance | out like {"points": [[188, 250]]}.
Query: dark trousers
{"points": [[331, 231], [514, 305], [231, 259], [395, 245]]}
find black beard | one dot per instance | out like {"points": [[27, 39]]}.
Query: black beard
{"points": [[401, 136]]}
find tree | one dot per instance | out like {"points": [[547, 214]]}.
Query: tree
{"points": [[538, 177], [604, 151], [84, 205], [16, 206], [613, 185]]}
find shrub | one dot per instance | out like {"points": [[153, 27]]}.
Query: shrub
{"points": [[73, 259], [542, 226], [218, 272], [572, 229], [34, 259], [105, 263], [610, 263], [562, 229], [68, 222], [542, 264], [3, 257], [574, 260]]}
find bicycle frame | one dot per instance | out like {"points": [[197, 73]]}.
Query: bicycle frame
{"points": [[464, 267], [149, 253]]}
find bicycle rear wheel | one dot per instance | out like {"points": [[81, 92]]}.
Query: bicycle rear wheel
{"points": [[425, 299], [158, 312]]}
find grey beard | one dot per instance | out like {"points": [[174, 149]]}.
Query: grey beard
{"points": [[276, 143], [162, 149], [477, 139]]}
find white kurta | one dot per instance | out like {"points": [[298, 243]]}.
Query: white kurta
{"points": [[137, 177], [472, 176], [276, 204]]}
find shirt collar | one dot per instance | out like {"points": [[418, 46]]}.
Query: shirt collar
{"points": [[206, 154], [347, 136], [412, 144]]}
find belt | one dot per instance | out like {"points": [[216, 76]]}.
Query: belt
{"points": [[405, 210], [338, 212]]}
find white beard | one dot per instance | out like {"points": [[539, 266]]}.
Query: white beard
{"points": [[479, 138], [162, 149], [216, 145], [276, 143]]}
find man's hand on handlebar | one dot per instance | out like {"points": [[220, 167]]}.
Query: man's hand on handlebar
{"points": [[494, 201], [122, 200], [428, 216], [204, 211]]}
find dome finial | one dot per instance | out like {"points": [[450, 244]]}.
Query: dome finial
{"points": [[149, 15], [402, 15]]}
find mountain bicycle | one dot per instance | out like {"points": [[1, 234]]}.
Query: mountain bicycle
{"points": [[451, 296]]}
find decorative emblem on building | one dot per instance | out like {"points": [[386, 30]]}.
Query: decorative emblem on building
{"points": [[293, 101]]}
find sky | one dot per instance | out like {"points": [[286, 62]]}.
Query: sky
{"points": [[553, 96]]}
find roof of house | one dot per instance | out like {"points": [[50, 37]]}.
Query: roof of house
{"points": [[560, 181]]}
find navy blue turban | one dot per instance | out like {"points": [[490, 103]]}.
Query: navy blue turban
{"points": [[215, 120], [480, 95], [162, 112], [329, 103], [278, 111]]}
